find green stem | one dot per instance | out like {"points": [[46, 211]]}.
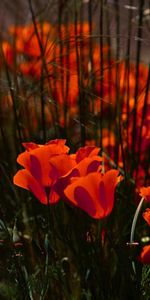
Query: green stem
{"points": [[134, 222]]}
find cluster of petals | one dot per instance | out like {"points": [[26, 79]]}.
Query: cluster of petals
{"points": [[51, 174]]}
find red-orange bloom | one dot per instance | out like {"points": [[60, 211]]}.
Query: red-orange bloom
{"points": [[146, 216], [145, 192], [27, 41], [36, 175], [86, 166], [93, 193], [145, 255]]}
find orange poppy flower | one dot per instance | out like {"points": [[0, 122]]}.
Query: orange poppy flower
{"points": [[36, 175], [27, 41], [146, 216], [93, 193], [145, 192], [145, 255], [85, 166]]}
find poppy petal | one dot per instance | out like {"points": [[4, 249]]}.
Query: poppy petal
{"points": [[24, 179], [23, 159], [110, 180], [91, 203], [146, 216], [87, 165], [84, 200], [35, 168], [61, 165], [87, 151], [145, 255], [30, 146], [145, 192]]}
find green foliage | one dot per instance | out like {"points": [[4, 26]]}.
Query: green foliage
{"points": [[8, 291], [145, 282]]}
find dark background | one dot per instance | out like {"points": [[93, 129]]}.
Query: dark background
{"points": [[17, 12]]}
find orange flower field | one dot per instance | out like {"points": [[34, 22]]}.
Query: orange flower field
{"points": [[75, 151]]}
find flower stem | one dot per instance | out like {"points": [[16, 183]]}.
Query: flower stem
{"points": [[134, 225], [135, 220]]}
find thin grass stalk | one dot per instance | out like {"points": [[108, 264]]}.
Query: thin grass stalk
{"points": [[109, 69], [42, 100], [21, 280], [81, 100], [4, 142], [117, 87], [90, 23], [27, 231], [118, 96], [61, 48], [101, 72], [29, 123], [82, 41], [46, 285], [90, 49], [15, 64], [139, 40], [47, 240], [145, 106], [13, 96], [44, 66], [42, 106], [67, 73], [127, 66], [9, 182], [134, 222], [91, 69]]}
